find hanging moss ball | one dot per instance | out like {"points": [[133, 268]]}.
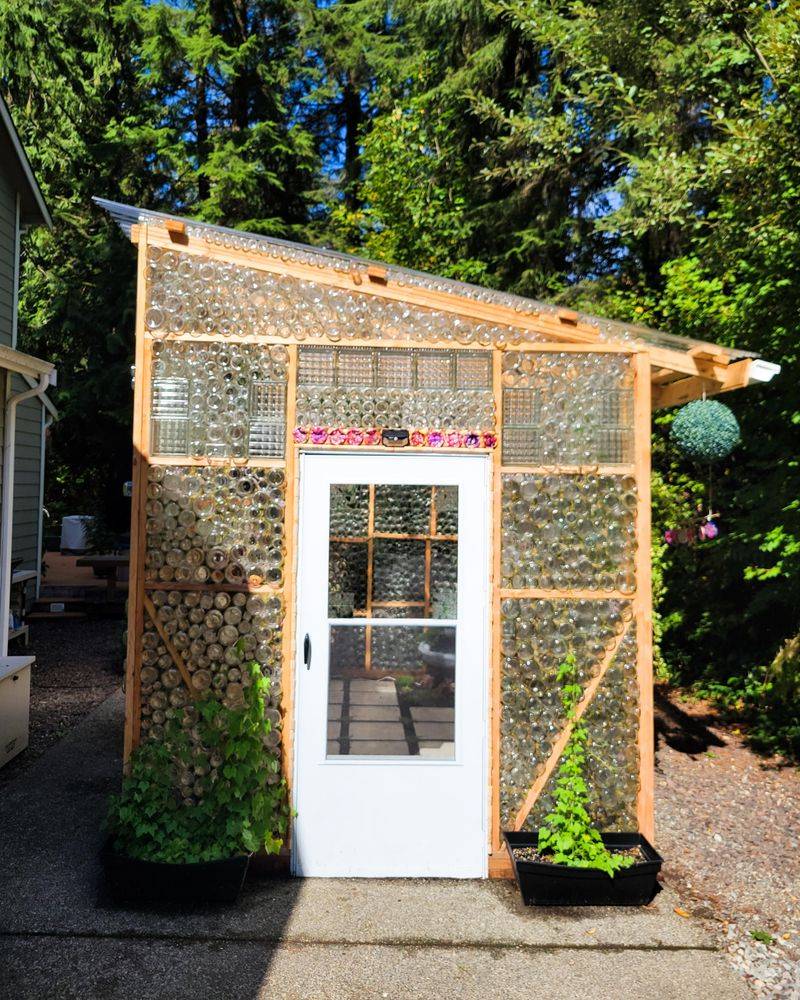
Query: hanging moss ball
{"points": [[705, 431]]}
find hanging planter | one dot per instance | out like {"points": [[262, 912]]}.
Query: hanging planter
{"points": [[705, 431]]}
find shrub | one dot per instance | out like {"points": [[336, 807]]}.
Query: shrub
{"points": [[239, 801]]}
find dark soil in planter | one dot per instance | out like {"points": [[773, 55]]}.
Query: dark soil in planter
{"points": [[532, 854], [135, 881], [543, 883]]}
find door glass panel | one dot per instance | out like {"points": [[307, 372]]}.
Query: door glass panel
{"points": [[393, 564]]}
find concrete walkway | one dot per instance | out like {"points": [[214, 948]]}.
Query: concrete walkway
{"points": [[302, 940]]}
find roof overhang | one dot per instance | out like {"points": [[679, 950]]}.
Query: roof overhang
{"points": [[33, 211], [26, 364], [683, 368]]}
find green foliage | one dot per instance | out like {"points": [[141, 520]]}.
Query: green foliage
{"points": [[705, 430], [641, 161], [242, 805], [567, 835]]}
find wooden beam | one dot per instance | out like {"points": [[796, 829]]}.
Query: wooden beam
{"points": [[684, 363], [710, 354], [663, 375], [139, 476], [686, 389], [176, 229], [500, 864], [496, 579], [643, 602], [546, 323], [175, 656], [378, 274], [563, 737], [537, 594], [288, 638]]}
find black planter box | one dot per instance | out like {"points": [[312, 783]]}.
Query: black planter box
{"points": [[133, 880], [543, 884]]}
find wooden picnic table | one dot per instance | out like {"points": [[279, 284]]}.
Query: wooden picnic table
{"points": [[110, 563]]}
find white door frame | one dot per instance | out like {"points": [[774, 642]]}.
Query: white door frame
{"points": [[414, 779]]}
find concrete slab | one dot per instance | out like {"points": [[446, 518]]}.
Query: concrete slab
{"points": [[430, 713], [74, 969], [377, 730], [375, 713], [315, 938], [434, 730], [373, 696], [379, 748]]}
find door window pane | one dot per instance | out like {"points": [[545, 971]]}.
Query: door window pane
{"points": [[392, 693], [392, 551], [393, 557]]}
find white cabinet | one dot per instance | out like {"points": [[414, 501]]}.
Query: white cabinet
{"points": [[15, 693]]}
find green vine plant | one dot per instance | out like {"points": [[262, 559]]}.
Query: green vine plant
{"points": [[567, 835], [238, 802]]}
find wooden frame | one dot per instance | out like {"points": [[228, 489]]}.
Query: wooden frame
{"points": [[674, 376]]}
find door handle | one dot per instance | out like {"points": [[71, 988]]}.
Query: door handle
{"points": [[307, 651]]}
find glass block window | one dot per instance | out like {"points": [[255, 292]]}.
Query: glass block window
{"points": [[218, 400], [567, 408], [385, 387]]}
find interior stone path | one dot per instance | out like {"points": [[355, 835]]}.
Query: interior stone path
{"points": [[365, 718]]}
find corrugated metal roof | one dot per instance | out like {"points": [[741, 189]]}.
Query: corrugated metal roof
{"points": [[128, 215]]}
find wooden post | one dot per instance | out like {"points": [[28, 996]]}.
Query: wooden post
{"points": [[495, 654], [643, 601], [370, 574], [140, 450], [289, 571]]}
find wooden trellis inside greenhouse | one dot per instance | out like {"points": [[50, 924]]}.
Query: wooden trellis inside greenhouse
{"points": [[408, 499]]}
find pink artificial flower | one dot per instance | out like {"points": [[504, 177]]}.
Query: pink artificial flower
{"points": [[489, 439], [337, 436], [355, 435], [670, 536], [435, 439], [707, 531], [454, 439], [471, 440], [319, 435], [372, 436], [416, 439], [300, 435]]}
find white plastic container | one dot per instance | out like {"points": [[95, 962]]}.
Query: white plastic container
{"points": [[15, 698], [74, 530]]}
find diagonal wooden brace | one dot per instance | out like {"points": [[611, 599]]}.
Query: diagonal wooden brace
{"points": [[177, 659], [563, 737]]}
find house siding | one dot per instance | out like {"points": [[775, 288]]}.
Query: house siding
{"points": [[7, 249], [27, 470]]}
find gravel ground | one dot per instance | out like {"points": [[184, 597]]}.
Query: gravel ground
{"points": [[78, 665], [728, 825]]}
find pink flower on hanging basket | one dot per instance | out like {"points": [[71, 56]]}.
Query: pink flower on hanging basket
{"points": [[472, 440], [372, 436], [300, 435], [337, 436], [319, 435], [435, 439], [355, 436], [670, 536], [707, 531], [454, 440], [489, 439], [416, 439]]}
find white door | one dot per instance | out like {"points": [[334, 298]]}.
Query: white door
{"points": [[392, 652]]}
